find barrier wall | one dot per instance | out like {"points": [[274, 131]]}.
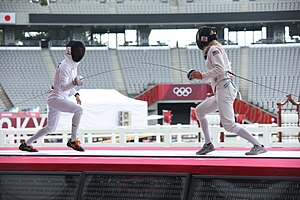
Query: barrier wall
{"points": [[161, 136]]}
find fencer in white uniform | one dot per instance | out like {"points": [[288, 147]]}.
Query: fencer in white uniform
{"points": [[64, 83], [225, 92]]}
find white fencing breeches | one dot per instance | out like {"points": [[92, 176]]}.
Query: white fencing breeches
{"points": [[56, 106], [222, 101]]}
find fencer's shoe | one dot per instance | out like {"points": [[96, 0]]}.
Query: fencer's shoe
{"points": [[24, 147], [256, 149], [206, 149], [75, 145]]}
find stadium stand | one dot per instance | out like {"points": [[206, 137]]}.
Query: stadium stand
{"points": [[212, 6], [2, 106], [221, 6], [79, 7], [147, 7], [103, 7], [271, 5], [142, 75], [276, 66], [134, 7], [273, 65], [21, 6], [24, 75]]}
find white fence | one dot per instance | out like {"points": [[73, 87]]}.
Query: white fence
{"points": [[156, 136]]}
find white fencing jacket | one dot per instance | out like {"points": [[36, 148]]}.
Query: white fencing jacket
{"points": [[217, 65], [64, 74]]}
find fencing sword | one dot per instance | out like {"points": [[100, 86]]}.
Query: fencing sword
{"points": [[164, 66], [104, 72], [86, 77], [281, 91], [251, 81]]}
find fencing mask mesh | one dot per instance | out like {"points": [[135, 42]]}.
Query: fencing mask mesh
{"points": [[77, 50]]}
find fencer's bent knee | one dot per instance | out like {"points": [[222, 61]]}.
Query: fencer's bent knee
{"points": [[79, 110], [200, 115], [231, 127]]}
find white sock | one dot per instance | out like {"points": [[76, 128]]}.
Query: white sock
{"points": [[36, 136], [248, 136], [205, 129], [75, 123]]}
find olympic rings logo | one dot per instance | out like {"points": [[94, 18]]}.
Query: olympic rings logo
{"points": [[182, 91]]}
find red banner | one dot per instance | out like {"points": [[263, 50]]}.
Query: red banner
{"points": [[21, 120], [253, 113], [179, 92]]}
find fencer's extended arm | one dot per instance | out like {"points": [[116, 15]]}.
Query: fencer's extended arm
{"points": [[217, 60]]}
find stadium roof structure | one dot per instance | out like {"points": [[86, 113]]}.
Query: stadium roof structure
{"points": [[167, 20]]}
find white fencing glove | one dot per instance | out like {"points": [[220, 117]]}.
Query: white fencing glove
{"points": [[78, 80]]}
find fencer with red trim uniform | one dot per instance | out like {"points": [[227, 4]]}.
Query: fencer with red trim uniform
{"points": [[64, 83], [225, 92]]}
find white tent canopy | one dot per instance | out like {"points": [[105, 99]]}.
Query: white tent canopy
{"points": [[101, 109]]}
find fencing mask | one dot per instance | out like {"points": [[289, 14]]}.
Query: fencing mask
{"points": [[77, 50], [203, 37]]}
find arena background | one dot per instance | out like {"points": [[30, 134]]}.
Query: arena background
{"points": [[122, 55], [27, 69]]}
